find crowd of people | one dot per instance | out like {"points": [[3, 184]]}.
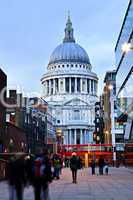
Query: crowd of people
{"points": [[40, 170], [102, 164], [37, 170]]}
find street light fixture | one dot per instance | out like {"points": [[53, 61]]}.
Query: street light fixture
{"points": [[126, 47]]}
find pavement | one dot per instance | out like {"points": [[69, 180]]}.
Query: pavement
{"points": [[118, 185]]}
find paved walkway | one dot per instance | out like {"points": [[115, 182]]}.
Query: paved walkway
{"points": [[116, 186]]}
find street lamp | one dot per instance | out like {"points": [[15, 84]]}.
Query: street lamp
{"points": [[11, 145], [126, 47]]}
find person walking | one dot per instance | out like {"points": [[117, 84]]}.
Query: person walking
{"points": [[42, 176], [101, 165], [57, 166], [16, 177], [93, 166], [74, 164], [106, 167]]}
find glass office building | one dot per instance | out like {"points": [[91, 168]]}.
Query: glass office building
{"points": [[124, 72]]}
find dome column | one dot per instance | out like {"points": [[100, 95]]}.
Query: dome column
{"points": [[69, 85], [75, 136], [86, 85], [49, 87], [81, 136], [81, 82], [90, 86], [75, 84], [93, 87], [85, 135], [64, 85], [54, 86]]}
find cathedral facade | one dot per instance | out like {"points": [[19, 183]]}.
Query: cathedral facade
{"points": [[70, 88]]}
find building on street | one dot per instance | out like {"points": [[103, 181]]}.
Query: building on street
{"points": [[124, 73], [70, 88], [3, 84]]}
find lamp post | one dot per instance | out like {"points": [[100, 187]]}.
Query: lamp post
{"points": [[11, 145], [112, 99], [126, 47]]}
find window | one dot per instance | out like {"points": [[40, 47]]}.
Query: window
{"points": [[76, 115], [67, 65], [71, 65], [62, 65], [76, 65], [80, 65], [58, 121], [58, 66]]}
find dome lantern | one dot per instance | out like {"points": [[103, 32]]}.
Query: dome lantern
{"points": [[69, 31]]}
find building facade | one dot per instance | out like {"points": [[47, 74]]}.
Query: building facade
{"points": [[3, 84], [124, 72], [70, 88]]}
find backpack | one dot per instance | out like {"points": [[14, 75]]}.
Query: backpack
{"points": [[57, 163], [39, 168]]}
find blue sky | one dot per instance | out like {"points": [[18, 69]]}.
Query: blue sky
{"points": [[31, 29]]}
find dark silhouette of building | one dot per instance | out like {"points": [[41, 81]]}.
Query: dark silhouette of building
{"points": [[3, 84]]}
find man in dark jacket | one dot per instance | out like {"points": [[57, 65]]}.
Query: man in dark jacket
{"points": [[74, 164], [101, 165], [42, 176], [16, 177]]}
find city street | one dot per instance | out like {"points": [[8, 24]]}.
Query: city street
{"points": [[118, 185]]}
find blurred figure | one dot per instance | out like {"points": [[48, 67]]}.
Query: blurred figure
{"points": [[28, 169], [80, 163], [57, 166], [42, 176], [106, 167], [74, 164], [101, 165], [93, 166], [16, 177]]}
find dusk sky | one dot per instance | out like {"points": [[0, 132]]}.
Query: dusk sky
{"points": [[31, 29]]}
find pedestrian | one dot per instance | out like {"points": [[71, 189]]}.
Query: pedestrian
{"points": [[42, 176], [57, 166], [101, 165], [16, 177], [106, 167], [74, 164], [93, 166]]}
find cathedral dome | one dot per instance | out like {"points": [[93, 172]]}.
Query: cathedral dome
{"points": [[69, 50]]}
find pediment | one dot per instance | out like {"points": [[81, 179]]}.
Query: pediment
{"points": [[76, 102]]}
